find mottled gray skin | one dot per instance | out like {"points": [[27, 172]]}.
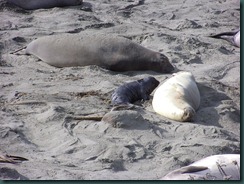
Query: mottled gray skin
{"points": [[111, 51], [214, 167], [233, 37], [133, 91], [38, 4]]}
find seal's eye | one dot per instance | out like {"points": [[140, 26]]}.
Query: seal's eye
{"points": [[163, 57], [141, 80]]}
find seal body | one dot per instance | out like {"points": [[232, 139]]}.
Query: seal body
{"points": [[38, 4], [108, 51], [216, 167], [178, 98], [233, 37], [133, 91], [237, 39]]}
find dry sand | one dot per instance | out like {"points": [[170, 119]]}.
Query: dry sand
{"points": [[41, 105]]}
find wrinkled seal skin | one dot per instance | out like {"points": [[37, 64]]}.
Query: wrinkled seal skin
{"points": [[233, 37], [215, 167], [38, 4], [112, 52], [133, 91]]}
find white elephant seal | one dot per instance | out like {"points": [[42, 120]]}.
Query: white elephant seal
{"points": [[108, 51], [178, 98], [38, 4], [237, 38], [216, 167], [233, 37]]}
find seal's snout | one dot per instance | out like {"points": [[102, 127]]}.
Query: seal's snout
{"points": [[169, 68], [166, 65], [149, 84], [188, 114]]}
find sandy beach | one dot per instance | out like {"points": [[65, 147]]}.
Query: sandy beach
{"points": [[44, 109]]}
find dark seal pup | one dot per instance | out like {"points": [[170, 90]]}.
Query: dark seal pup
{"points": [[232, 37], [133, 91], [112, 52], [38, 4]]}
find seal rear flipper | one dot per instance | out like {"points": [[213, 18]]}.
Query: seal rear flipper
{"points": [[192, 169], [223, 34], [228, 36], [12, 159], [18, 50]]}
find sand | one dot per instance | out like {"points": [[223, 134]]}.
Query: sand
{"points": [[44, 110]]}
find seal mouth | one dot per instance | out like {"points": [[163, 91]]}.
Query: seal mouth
{"points": [[188, 114], [166, 66], [175, 70], [170, 68]]}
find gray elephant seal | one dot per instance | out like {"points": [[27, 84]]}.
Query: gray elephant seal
{"points": [[178, 98], [37, 4], [108, 51], [133, 91], [215, 167], [232, 37]]}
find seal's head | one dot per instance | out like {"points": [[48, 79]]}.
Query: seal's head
{"points": [[188, 114], [162, 64], [149, 84]]}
